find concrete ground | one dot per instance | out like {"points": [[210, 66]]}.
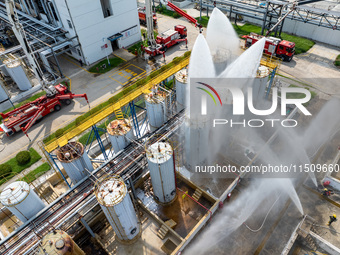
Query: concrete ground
{"points": [[316, 68]]}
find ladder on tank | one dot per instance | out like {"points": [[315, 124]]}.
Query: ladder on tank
{"points": [[119, 114]]}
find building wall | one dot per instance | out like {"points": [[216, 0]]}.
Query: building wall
{"points": [[93, 29]]}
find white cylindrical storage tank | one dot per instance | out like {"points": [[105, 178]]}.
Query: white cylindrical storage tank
{"points": [[16, 71], [120, 134], [115, 201], [196, 142], [181, 88], [58, 242], [75, 161], [162, 171], [3, 94], [220, 60], [260, 84], [21, 200], [156, 109]]}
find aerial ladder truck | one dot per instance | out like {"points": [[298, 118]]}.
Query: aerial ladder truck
{"points": [[168, 38], [24, 117]]}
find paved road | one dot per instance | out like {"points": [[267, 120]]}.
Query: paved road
{"points": [[316, 68]]}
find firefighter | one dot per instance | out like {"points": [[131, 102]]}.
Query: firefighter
{"points": [[332, 219], [326, 192]]}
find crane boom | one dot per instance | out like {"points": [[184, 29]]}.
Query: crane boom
{"points": [[149, 25], [184, 14]]}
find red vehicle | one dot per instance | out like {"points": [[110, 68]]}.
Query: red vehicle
{"points": [[167, 39], [274, 46], [26, 115], [142, 17]]}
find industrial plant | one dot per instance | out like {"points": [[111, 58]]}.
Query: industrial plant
{"points": [[169, 127]]}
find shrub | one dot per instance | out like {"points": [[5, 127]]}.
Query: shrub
{"points": [[23, 157], [337, 61], [59, 133], [176, 15], [176, 60], [187, 54], [80, 120], [5, 170]]}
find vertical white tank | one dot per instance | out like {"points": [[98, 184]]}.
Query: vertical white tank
{"points": [[162, 171], [196, 141], [21, 200], [3, 94], [260, 84], [120, 134], [156, 109], [18, 74], [58, 242], [220, 60], [115, 201], [75, 161], [181, 88]]}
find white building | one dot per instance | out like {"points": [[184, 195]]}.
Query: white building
{"points": [[100, 26]]}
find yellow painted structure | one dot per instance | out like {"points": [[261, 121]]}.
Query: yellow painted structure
{"points": [[114, 107]]}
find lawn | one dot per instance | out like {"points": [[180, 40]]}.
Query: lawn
{"points": [[35, 157], [337, 61], [36, 173], [103, 66], [163, 10], [302, 45]]}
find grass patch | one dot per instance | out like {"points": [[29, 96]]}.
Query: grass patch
{"points": [[203, 21], [36, 173], [103, 66], [124, 92], [302, 45], [32, 98], [337, 61], [35, 157], [163, 10]]}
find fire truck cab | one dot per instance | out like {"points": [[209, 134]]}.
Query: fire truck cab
{"points": [[274, 46]]}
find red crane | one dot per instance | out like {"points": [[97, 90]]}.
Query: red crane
{"points": [[23, 117]]}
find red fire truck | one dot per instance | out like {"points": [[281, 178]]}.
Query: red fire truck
{"points": [[167, 39], [26, 115], [142, 17], [274, 46]]}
